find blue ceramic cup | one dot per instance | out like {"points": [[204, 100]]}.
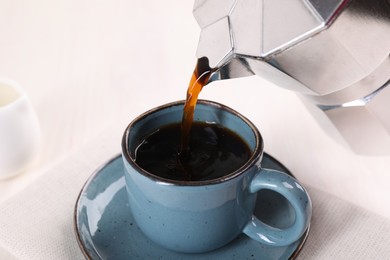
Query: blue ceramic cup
{"points": [[200, 216]]}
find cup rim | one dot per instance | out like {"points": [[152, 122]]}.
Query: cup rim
{"points": [[255, 157]]}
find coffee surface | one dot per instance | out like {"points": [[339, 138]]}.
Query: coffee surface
{"points": [[213, 151]]}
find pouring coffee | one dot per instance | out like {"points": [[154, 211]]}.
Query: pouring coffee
{"points": [[335, 54]]}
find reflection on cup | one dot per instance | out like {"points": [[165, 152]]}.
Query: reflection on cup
{"points": [[20, 135]]}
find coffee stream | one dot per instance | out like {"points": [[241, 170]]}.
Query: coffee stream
{"points": [[199, 79], [210, 151]]}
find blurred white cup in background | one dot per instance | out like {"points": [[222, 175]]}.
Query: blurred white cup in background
{"points": [[20, 135]]}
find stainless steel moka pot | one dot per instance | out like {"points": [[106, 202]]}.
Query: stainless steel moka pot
{"points": [[335, 53]]}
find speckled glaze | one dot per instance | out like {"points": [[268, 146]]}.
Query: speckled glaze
{"points": [[201, 216], [106, 229]]}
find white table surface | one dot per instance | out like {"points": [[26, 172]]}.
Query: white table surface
{"points": [[92, 65]]}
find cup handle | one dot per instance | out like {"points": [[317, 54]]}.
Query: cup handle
{"points": [[296, 195]]}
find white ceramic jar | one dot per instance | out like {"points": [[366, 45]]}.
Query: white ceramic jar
{"points": [[20, 135]]}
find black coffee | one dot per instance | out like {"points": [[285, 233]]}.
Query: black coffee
{"points": [[214, 151]]}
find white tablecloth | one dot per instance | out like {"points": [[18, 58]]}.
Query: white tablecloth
{"points": [[92, 66], [37, 223]]}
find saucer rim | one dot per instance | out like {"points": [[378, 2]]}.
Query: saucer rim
{"points": [[76, 226]]}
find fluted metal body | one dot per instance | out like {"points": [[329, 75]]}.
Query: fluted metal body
{"points": [[336, 53]]}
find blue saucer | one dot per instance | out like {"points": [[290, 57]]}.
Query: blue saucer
{"points": [[105, 228]]}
